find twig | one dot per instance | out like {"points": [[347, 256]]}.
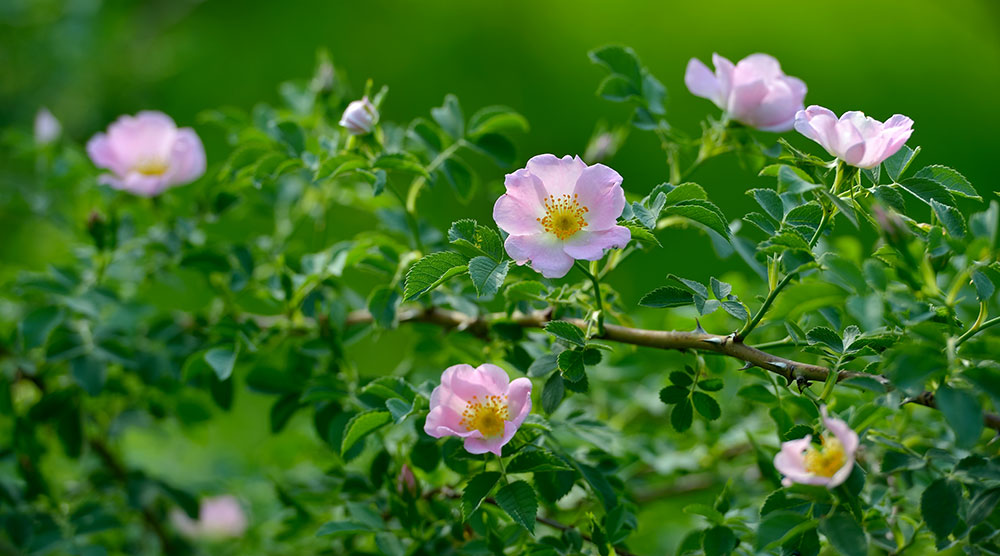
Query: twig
{"points": [[660, 339]]}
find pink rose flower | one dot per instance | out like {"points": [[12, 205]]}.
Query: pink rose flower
{"points": [[147, 153], [218, 517], [855, 138], [801, 462], [558, 210], [360, 117], [481, 405], [755, 91]]}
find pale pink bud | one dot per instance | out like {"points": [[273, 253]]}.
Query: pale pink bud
{"points": [[754, 92], [47, 127], [218, 517], [360, 117], [406, 482], [854, 138], [801, 462], [558, 210], [147, 153], [480, 405]]}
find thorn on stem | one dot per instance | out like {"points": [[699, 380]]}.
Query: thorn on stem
{"points": [[698, 328]]}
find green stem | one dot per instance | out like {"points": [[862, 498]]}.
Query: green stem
{"points": [[767, 305], [411, 217], [597, 296], [418, 183], [978, 327], [956, 286], [503, 471]]}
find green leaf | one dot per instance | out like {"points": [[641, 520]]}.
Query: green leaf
{"points": [[721, 290], [519, 501], [964, 415], [844, 534], [790, 181], [618, 89], [543, 365], [283, 410], [719, 541], [706, 511], [399, 409], [89, 373], [362, 425], [340, 528], [431, 271], [477, 240], [757, 393], [495, 119], [479, 488], [487, 275], [673, 394], [530, 461], [950, 180], [736, 309], [927, 190], [897, 164], [696, 288], [939, 506], [38, 325], [497, 147], [986, 378], [641, 234], [827, 337], [552, 393], [984, 286], [888, 195], [571, 364], [222, 360], [682, 415], [704, 213], [566, 331], [950, 218], [405, 162], [842, 205], [710, 384], [620, 60], [779, 526], [684, 192], [982, 506], [449, 117], [459, 175], [382, 304], [666, 296], [769, 200], [706, 405]]}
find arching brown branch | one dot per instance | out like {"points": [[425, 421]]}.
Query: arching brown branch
{"points": [[658, 339]]}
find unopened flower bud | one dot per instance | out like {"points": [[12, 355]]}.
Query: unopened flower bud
{"points": [[47, 127], [360, 117], [406, 482]]}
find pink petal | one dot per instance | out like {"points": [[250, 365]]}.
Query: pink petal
{"points": [[544, 252], [744, 99], [493, 378], [558, 175], [599, 189], [187, 157], [100, 153], [724, 74], [143, 185], [702, 82], [141, 138], [519, 400], [590, 246], [443, 421], [847, 437], [516, 217], [756, 67], [480, 445]]}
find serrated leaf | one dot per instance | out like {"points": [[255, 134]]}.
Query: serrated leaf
{"points": [[682, 415], [552, 393], [449, 117], [982, 506], [479, 488], [543, 365], [431, 271], [736, 309], [843, 206], [827, 337], [519, 501], [789, 181], [939, 505], [618, 89], [620, 60], [950, 218], [888, 195], [769, 200], [532, 461], [696, 288], [572, 366], [721, 290], [964, 415], [666, 296], [487, 275], [684, 192], [984, 286], [704, 213], [566, 331], [844, 534], [950, 179], [897, 164], [362, 425], [477, 240], [927, 190], [706, 405]]}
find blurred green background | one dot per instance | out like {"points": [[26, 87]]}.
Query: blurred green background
{"points": [[91, 60]]}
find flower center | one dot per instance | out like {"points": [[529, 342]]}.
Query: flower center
{"points": [[151, 167], [486, 416], [827, 460], [563, 215]]}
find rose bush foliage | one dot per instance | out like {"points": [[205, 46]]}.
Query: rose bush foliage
{"points": [[841, 394]]}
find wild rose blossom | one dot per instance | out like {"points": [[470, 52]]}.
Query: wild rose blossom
{"points": [[360, 116], [558, 210], [218, 517], [47, 127], [480, 405], [754, 92], [147, 153], [801, 462], [855, 138]]}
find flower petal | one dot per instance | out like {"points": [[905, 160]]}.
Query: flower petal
{"points": [[187, 158], [544, 252], [599, 189], [480, 445], [702, 82], [515, 216], [519, 400], [493, 378], [590, 246], [558, 175]]}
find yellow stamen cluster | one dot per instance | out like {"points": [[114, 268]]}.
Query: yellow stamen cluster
{"points": [[827, 460], [151, 167], [563, 215], [487, 415]]}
